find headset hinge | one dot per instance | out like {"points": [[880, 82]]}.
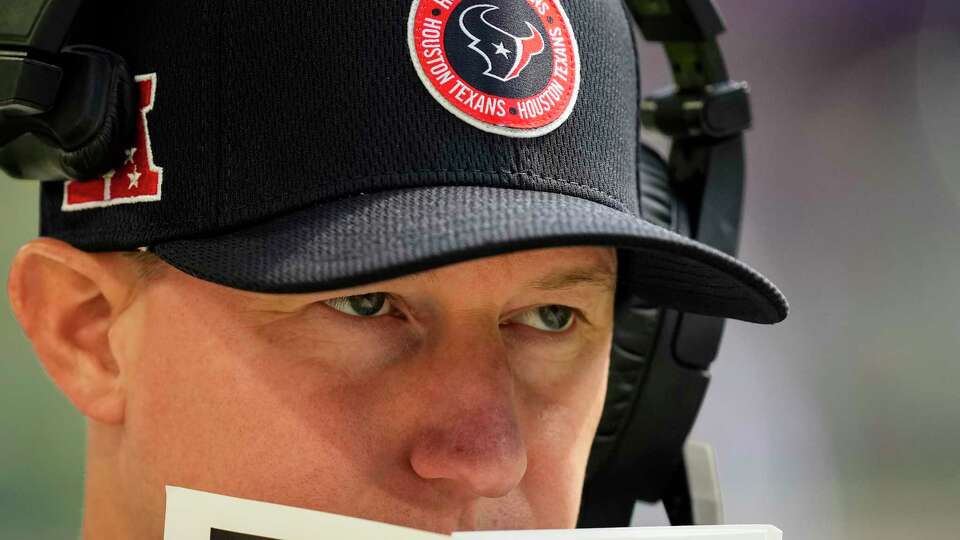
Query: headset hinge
{"points": [[721, 110]]}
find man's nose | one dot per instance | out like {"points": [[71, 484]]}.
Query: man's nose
{"points": [[471, 435]]}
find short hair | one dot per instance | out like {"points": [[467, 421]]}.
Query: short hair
{"points": [[148, 264]]}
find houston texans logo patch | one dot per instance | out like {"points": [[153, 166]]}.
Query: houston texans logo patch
{"points": [[504, 63], [509, 67]]}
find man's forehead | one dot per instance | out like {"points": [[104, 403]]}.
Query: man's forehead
{"points": [[598, 276]]}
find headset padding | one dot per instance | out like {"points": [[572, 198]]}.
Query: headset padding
{"points": [[116, 133]]}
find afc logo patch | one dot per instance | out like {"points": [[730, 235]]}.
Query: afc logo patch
{"points": [[509, 67], [137, 180]]}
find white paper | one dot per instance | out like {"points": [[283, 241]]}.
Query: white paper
{"points": [[193, 515], [704, 532]]}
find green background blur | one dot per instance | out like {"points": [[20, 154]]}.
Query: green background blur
{"points": [[844, 421], [41, 435]]}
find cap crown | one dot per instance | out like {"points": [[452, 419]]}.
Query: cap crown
{"points": [[259, 109]]}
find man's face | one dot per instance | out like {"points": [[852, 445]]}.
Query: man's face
{"points": [[461, 398]]}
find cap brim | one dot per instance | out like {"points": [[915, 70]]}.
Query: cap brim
{"points": [[384, 235]]}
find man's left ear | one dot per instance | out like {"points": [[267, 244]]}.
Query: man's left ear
{"points": [[67, 300]]}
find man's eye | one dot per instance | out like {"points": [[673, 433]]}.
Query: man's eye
{"points": [[547, 318], [362, 305]]}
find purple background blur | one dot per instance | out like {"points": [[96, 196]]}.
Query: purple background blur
{"points": [[844, 421]]}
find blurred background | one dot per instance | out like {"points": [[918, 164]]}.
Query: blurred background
{"points": [[842, 422]]}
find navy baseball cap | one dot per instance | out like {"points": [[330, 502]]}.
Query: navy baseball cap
{"points": [[302, 146]]}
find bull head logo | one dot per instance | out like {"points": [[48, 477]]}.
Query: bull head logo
{"points": [[506, 54]]}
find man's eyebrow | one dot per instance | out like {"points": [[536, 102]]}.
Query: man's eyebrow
{"points": [[596, 276]]}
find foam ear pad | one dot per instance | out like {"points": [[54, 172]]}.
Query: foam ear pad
{"points": [[105, 149], [634, 335]]}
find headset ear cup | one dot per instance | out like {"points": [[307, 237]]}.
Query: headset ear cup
{"points": [[636, 328], [105, 150], [91, 124]]}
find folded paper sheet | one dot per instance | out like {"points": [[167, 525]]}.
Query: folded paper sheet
{"points": [[198, 515]]}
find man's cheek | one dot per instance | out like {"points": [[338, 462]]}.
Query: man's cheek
{"points": [[557, 457], [514, 511], [559, 427], [260, 427]]}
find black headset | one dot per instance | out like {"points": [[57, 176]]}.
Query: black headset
{"points": [[69, 112]]}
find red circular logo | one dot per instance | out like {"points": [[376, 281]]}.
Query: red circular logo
{"points": [[509, 67]]}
